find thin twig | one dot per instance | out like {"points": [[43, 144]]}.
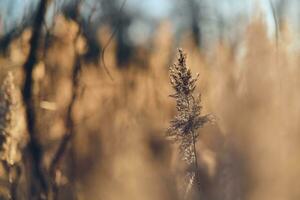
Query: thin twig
{"points": [[108, 43], [34, 147]]}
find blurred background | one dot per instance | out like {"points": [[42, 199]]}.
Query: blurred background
{"points": [[114, 56], [137, 22]]}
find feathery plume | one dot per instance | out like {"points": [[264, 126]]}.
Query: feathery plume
{"points": [[183, 128]]}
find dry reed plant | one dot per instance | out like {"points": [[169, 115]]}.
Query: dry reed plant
{"points": [[183, 128], [12, 132]]}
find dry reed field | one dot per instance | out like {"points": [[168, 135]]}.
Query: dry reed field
{"points": [[175, 123]]}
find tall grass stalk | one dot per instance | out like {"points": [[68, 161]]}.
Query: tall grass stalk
{"points": [[183, 128]]}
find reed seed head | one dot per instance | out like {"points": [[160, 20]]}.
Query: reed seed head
{"points": [[11, 122]]}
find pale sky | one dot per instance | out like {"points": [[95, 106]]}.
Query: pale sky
{"points": [[12, 11]]}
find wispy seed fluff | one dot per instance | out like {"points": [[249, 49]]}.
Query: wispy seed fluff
{"points": [[183, 128], [12, 136]]}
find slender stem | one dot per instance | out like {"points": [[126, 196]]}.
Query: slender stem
{"points": [[193, 137], [195, 151], [34, 147]]}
